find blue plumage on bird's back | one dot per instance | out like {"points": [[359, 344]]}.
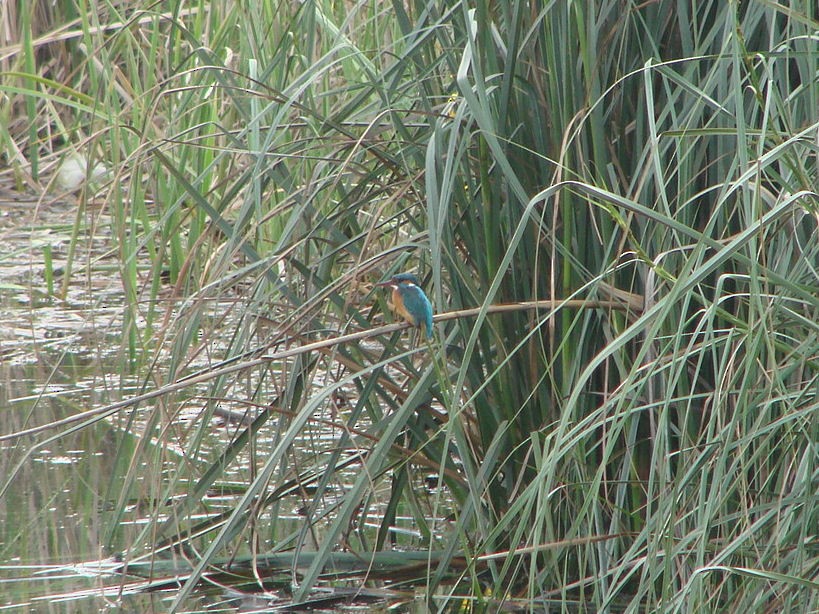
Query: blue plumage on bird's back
{"points": [[409, 300], [417, 308]]}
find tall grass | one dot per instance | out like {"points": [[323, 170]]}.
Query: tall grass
{"points": [[274, 159]]}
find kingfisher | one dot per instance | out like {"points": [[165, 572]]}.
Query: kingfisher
{"points": [[410, 301]]}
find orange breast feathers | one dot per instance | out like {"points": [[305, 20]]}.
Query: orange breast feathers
{"points": [[398, 305]]}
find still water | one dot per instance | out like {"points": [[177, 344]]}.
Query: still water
{"points": [[80, 496]]}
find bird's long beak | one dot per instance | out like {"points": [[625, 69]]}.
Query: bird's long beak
{"points": [[384, 284]]}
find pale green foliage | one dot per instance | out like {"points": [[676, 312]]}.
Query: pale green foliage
{"points": [[663, 151]]}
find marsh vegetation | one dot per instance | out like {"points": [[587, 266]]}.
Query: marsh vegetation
{"points": [[612, 206]]}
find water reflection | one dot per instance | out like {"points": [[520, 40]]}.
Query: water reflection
{"points": [[68, 514], [53, 488], [79, 501]]}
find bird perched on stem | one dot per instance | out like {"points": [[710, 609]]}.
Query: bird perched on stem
{"points": [[410, 301]]}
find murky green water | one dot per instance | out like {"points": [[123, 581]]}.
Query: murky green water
{"points": [[57, 548], [78, 494]]}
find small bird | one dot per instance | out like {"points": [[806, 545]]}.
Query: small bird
{"points": [[410, 301]]}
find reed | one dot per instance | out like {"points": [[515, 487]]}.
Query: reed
{"points": [[645, 442]]}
